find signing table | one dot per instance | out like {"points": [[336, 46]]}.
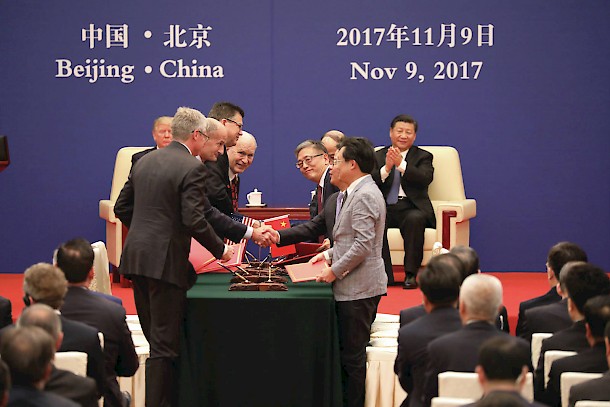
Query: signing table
{"points": [[245, 348]]}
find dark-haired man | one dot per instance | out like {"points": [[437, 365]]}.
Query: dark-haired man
{"points": [[232, 117], [440, 285], [356, 218], [558, 256], [75, 259], [403, 175]]}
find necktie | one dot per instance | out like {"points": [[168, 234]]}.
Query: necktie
{"points": [[235, 193], [393, 194], [340, 199], [319, 198]]}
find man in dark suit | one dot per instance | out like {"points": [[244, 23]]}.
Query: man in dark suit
{"points": [[596, 389], [28, 353], [580, 281], [503, 364], [81, 390], [46, 284], [403, 174], [6, 312], [356, 268], [440, 285], [591, 360], [222, 182], [162, 134], [75, 259], [558, 256], [480, 300]]}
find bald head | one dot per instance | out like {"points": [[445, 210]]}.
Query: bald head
{"points": [[330, 140], [216, 137], [241, 155]]}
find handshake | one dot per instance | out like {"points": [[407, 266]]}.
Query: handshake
{"points": [[265, 236]]}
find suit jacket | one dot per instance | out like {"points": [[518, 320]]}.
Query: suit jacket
{"points": [[596, 389], [547, 318], [163, 210], [6, 312], [572, 338], [457, 352], [358, 235], [514, 396], [408, 315], [413, 340], [591, 360], [25, 396], [218, 186], [327, 190], [140, 154], [414, 181], [109, 297], [109, 318], [550, 297], [79, 389], [80, 337]]}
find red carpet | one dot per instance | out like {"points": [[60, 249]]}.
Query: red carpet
{"points": [[517, 287]]}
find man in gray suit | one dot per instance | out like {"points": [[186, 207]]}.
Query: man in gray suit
{"points": [[355, 267]]}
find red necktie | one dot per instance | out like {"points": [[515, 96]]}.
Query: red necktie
{"points": [[319, 196], [234, 193]]}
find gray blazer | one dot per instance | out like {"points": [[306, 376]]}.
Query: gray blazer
{"points": [[358, 238]]}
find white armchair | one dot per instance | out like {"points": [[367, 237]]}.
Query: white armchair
{"points": [[453, 211], [114, 227]]}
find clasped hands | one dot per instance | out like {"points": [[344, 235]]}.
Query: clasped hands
{"points": [[393, 158], [265, 236]]}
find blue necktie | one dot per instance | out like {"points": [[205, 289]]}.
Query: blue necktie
{"points": [[340, 198], [393, 194]]}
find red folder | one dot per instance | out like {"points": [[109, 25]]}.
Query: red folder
{"points": [[305, 271], [203, 261]]}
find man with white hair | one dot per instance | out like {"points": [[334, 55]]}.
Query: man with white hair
{"points": [[223, 179], [480, 301]]}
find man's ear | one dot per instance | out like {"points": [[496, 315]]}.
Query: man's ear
{"points": [[480, 374]]}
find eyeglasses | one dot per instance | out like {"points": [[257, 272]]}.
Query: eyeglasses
{"points": [[335, 161], [202, 133], [240, 125], [307, 160]]}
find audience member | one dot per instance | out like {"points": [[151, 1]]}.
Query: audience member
{"points": [[558, 256], [5, 383], [580, 281], [47, 284], [6, 312], [75, 259], [591, 360], [480, 299], [232, 117], [28, 353], [596, 389], [81, 390], [440, 285], [355, 217], [502, 368], [403, 174], [162, 134], [222, 182], [330, 140]]}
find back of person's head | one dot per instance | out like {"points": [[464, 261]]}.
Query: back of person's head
{"points": [[75, 258], [360, 150], [582, 281], [186, 121], [27, 351], [42, 316], [314, 144], [481, 294], [225, 110], [45, 284], [597, 315], [469, 258], [440, 280], [5, 383], [562, 253], [502, 358]]}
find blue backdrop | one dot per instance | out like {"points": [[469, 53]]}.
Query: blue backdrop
{"points": [[523, 94]]}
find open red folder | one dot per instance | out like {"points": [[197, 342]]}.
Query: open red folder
{"points": [[203, 261], [305, 271]]}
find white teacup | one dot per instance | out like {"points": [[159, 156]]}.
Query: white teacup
{"points": [[255, 197]]}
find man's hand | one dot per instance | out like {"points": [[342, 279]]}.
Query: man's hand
{"points": [[327, 276], [265, 236], [325, 245], [318, 257], [228, 254], [393, 158]]}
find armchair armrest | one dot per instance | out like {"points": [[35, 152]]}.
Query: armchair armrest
{"points": [[107, 211], [464, 209]]}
